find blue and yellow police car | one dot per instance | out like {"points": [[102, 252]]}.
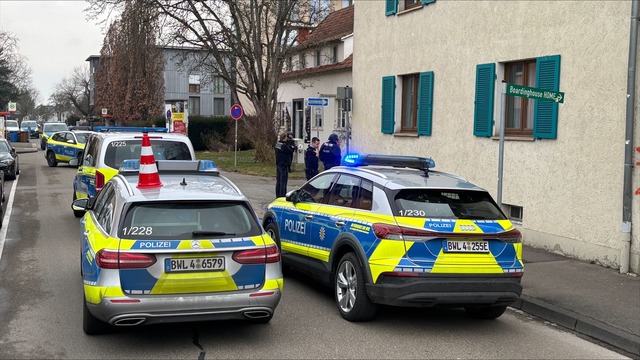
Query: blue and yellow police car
{"points": [[65, 145], [49, 129], [390, 230], [180, 243]]}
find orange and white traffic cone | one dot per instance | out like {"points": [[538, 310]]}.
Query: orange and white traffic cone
{"points": [[149, 177]]}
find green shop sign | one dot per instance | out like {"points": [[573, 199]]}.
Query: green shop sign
{"points": [[535, 93]]}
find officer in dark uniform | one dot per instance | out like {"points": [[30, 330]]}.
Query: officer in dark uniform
{"points": [[292, 144], [311, 158], [330, 153], [284, 154]]}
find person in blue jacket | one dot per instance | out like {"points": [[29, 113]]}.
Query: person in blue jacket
{"points": [[330, 153], [311, 158]]}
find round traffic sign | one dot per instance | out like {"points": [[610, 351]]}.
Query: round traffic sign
{"points": [[236, 111]]}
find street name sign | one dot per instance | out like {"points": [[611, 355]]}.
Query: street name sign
{"points": [[324, 102], [535, 93]]}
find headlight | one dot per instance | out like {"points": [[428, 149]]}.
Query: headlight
{"points": [[6, 161]]}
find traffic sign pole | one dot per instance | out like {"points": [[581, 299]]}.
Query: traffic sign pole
{"points": [[236, 114]]}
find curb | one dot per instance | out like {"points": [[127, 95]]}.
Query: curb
{"points": [[580, 324]]}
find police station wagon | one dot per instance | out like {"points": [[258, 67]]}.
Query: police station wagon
{"points": [[389, 230]]}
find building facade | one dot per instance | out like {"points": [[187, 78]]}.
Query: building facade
{"points": [[429, 77]]}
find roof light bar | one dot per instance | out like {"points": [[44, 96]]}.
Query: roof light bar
{"points": [[178, 166], [130, 128], [413, 162]]}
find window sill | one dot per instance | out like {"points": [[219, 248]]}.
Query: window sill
{"points": [[409, 10], [514, 138], [405, 134]]}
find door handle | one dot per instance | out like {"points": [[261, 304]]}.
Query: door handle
{"points": [[339, 223], [308, 217]]}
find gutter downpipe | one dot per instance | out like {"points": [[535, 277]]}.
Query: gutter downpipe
{"points": [[627, 199]]}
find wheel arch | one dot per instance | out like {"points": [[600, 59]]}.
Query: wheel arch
{"points": [[346, 244]]}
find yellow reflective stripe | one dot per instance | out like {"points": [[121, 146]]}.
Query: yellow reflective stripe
{"points": [[94, 294], [518, 248], [411, 221], [294, 248], [322, 255], [274, 284], [108, 173], [464, 263], [176, 283], [386, 257], [506, 224]]}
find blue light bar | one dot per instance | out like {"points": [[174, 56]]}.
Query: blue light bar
{"points": [[130, 165], [130, 128], [413, 162]]}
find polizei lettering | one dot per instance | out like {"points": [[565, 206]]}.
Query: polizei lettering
{"points": [[298, 227], [154, 244]]}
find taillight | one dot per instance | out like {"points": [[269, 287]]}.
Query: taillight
{"points": [[107, 259], [265, 255], [392, 232], [99, 181]]}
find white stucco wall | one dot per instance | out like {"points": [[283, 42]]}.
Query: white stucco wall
{"points": [[570, 188]]}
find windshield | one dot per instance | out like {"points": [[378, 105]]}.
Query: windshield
{"points": [[82, 137], [4, 147], [28, 124], [55, 127], [120, 150], [446, 204], [189, 220], [12, 123]]}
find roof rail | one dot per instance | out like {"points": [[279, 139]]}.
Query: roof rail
{"points": [[201, 167], [413, 162], [130, 128]]}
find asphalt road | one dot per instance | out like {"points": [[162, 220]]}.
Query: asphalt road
{"points": [[41, 308]]}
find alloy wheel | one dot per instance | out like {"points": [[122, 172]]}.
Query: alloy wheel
{"points": [[346, 286]]}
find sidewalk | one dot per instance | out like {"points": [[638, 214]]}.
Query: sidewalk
{"points": [[590, 299], [22, 147]]}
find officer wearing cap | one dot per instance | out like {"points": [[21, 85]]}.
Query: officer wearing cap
{"points": [[283, 160], [330, 153]]}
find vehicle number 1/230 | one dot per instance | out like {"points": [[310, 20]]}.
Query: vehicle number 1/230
{"points": [[194, 264]]}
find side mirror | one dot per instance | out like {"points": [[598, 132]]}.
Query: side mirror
{"points": [[292, 196], [80, 204]]}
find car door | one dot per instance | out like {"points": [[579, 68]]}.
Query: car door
{"points": [[69, 150], [55, 144], [84, 182], [93, 238]]}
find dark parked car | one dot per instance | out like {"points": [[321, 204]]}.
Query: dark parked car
{"points": [[9, 164]]}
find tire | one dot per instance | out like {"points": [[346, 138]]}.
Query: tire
{"points": [[351, 296], [274, 232], [43, 145], [90, 324], [79, 159], [485, 312], [17, 168], [51, 159], [77, 213]]}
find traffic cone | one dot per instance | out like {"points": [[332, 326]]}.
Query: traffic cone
{"points": [[149, 177]]}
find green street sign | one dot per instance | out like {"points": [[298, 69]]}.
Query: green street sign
{"points": [[535, 93]]}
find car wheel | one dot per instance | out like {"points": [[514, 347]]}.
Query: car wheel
{"points": [[77, 213], [351, 297], [51, 159], [485, 312], [90, 324], [1, 216], [79, 159], [43, 145], [17, 168], [274, 233]]}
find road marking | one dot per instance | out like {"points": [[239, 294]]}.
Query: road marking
{"points": [[7, 215]]}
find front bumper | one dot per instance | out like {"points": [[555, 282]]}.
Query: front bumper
{"points": [[155, 309], [435, 289]]}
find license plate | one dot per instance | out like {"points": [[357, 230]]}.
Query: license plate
{"points": [[466, 246], [194, 264]]}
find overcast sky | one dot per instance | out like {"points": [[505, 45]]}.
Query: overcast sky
{"points": [[54, 35]]}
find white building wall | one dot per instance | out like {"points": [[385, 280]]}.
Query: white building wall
{"points": [[570, 188]]}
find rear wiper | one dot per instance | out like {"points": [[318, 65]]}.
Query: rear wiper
{"points": [[210, 233]]}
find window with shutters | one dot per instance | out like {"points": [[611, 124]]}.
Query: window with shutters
{"points": [[520, 110], [409, 4], [409, 103]]}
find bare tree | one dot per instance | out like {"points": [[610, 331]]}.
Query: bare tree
{"points": [[15, 73], [259, 35], [76, 90], [129, 79], [60, 105]]}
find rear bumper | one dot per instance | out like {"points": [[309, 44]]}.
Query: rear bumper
{"points": [[431, 290], [156, 309]]}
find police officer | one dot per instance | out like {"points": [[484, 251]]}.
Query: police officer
{"points": [[330, 153], [284, 154], [292, 144], [311, 158]]}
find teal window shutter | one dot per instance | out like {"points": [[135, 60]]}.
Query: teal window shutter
{"points": [[545, 113], [425, 103], [391, 7], [427, 2], [388, 103], [483, 108]]}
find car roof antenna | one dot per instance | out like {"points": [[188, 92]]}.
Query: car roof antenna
{"points": [[184, 182]]}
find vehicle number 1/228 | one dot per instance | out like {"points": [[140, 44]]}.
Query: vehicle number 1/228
{"points": [[194, 264], [466, 246]]}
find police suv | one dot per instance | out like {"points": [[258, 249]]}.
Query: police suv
{"points": [[390, 230], [186, 246]]}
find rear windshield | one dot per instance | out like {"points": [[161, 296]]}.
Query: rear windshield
{"points": [[189, 220], [54, 127], [446, 204], [121, 150], [10, 123]]}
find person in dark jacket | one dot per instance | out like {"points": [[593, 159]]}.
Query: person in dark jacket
{"points": [[311, 158], [284, 153], [330, 153], [292, 144]]}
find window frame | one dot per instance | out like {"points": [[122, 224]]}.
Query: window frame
{"points": [[193, 109], [522, 130], [414, 103], [408, 5], [219, 110]]}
